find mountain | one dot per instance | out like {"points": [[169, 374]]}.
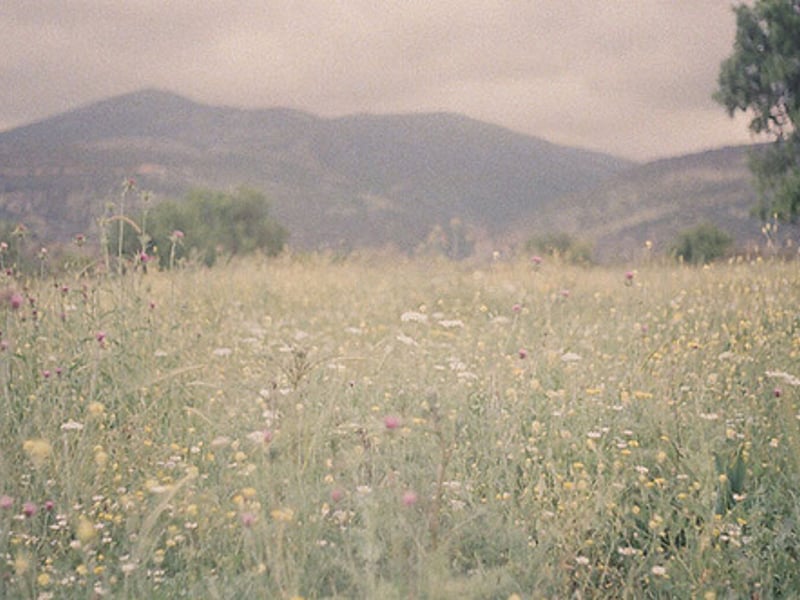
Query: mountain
{"points": [[342, 182], [655, 202]]}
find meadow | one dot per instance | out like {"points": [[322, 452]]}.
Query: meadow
{"points": [[305, 427]]}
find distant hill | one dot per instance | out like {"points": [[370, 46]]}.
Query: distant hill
{"points": [[341, 183], [656, 201]]}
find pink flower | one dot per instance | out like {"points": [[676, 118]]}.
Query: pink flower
{"points": [[391, 422], [337, 495], [516, 308], [6, 502], [409, 498], [777, 392], [49, 505], [629, 275], [29, 509], [248, 519], [565, 293], [536, 260], [16, 300], [177, 234], [100, 336], [523, 353]]}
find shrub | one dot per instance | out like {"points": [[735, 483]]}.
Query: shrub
{"points": [[561, 245], [702, 244], [204, 225]]}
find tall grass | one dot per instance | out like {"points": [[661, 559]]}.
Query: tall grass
{"points": [[393, 429]]}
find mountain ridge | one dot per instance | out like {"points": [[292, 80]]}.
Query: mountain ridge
{"points": [[363, 179], [344, 181]]}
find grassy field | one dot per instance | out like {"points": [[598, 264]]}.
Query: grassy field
{"points": [[370, 428]]}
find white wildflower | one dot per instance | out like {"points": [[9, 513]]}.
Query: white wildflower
{"points": [[785, 377], [414, 316], [451, 323], [408, 341]]}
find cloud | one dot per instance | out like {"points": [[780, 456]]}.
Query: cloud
{"points": [[630, 78]]}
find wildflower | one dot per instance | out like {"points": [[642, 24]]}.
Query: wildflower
{"points": [[49, 505], [536, 260], [29, 509], [262, 436], [21, 564], [100, 336], [777, 392], [80, 240], [176, 236], [6, 502], [15, 300], [95, 409], [43, 579], [413, 316], [38, 451], [337, 495], [565, 293], [786, 377], [391, 422], [523, 353], [71, 426], [84, 530], [409, 498], [100, 459], [659, 571], [282, 515], [248, 519], [516, 308], [450, 323]]}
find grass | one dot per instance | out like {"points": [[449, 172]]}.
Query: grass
{"points": [[371, 428]]}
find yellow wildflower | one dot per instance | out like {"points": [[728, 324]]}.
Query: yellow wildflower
{"points": [[38, 451]]}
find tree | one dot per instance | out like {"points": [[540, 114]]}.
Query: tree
{"points": [[762, 76], [702, 244], [208, 222]]}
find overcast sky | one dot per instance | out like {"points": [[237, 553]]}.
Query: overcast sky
{"points": [[628, 77]]}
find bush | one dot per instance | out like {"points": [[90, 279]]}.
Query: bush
{"points": [[561, 245], [205, 225], [702, 244]]}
